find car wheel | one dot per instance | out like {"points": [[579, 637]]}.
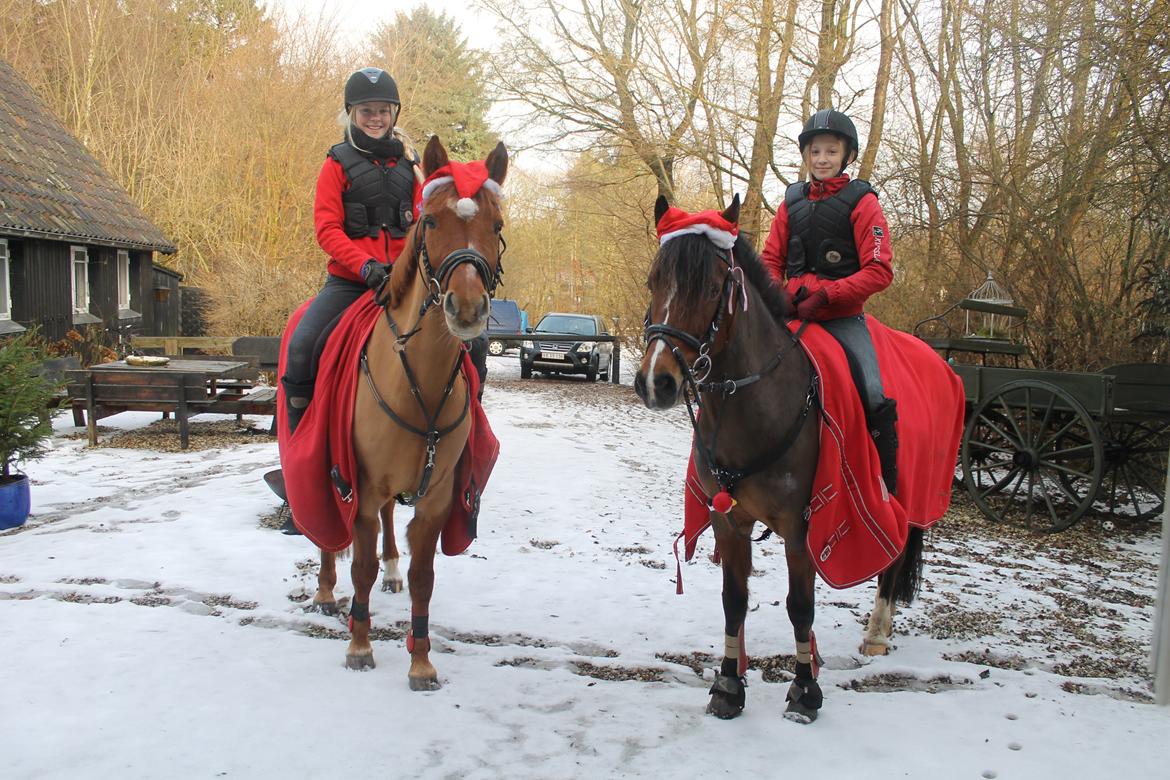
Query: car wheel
{"points": [[525, 370], [591, 372], [495, 347]]}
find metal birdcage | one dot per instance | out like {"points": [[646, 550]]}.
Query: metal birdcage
{"points": [[987, 325]]}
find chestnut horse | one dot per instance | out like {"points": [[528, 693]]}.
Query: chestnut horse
{"points": [[758, 432], [411, 411]]}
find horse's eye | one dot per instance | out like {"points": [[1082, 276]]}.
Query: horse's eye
{"points": [[498, 226], [713, 290], [429, 221]]}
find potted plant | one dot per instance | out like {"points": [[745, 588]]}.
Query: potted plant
{"points": [[25, 422]]}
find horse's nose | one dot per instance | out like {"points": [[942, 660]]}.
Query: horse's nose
{"points": [[640, 385], [665, 389]]}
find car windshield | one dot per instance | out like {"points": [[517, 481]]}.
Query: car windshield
{"points": [[559, 323]]}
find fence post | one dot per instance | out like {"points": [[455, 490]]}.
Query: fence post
{"points": [[1160, 653]]}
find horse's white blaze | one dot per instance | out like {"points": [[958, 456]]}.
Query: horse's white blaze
{"points": [[659, 346]]}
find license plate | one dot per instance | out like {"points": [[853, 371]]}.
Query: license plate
{"points": [[547, 355]]}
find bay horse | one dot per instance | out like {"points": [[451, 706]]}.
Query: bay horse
{"points": [[757, 436], [411, 410]]}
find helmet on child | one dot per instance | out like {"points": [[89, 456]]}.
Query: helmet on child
{"points": [[830, 120], [369, 85]]}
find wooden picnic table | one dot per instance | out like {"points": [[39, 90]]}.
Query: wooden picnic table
{"points": [[185, 386]]}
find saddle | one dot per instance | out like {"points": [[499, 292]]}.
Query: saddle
{"points": [[318, 460], [856, 528]]}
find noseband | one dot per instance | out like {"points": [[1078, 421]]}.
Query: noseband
{"points": [[437, 279]]}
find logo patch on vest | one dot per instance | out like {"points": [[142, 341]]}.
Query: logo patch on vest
{"points": [[832, 257]]}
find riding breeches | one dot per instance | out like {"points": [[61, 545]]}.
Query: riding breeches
{"points": [[300, 366], [853, 336]]}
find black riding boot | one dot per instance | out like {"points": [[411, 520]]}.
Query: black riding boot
{"points": [[881, 423], [295, 404]]}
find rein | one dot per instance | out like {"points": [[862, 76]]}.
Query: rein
{"points": [[694, 385], [434, 281]]}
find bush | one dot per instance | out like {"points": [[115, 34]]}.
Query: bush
{"points": [[25, 425], [91, 345]]}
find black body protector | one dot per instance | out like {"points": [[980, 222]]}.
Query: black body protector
{"points": [[821, 231], [380, 197]]}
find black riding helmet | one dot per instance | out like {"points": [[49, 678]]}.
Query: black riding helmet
{"points": [[830, 120], [369, 85]]}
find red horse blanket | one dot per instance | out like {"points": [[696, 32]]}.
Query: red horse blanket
{"points": [[856, 529], [319, 464]]}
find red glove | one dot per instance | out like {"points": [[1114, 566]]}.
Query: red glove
{"points": [[808, 307]]}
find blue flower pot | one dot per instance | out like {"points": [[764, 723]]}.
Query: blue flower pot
{"points": [[14, 502]]}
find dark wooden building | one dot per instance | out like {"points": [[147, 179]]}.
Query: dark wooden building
{"points": [[75, 250]]}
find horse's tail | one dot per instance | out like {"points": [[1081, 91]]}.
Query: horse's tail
{"points": [[902, 580]]}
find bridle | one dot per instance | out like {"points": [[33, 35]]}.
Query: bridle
{"points": [[696, 384], [436, 282]]}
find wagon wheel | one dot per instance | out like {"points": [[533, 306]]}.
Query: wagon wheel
{"points": [[1031, 454], [1134, 482]]}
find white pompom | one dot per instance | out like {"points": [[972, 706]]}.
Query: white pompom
{"points": [[466, 208]]}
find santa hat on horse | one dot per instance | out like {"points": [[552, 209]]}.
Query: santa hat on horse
{"points": [[469, 178], [712, 224]]}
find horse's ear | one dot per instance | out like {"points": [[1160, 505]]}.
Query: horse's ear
{"points": [[435, 156], [732, 212], [660, 207], [497, 163]]}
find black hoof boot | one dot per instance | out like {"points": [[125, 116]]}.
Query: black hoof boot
{"points": [[727, 696], [804, 700], [289, 528]]}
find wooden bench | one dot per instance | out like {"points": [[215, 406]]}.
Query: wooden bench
{"points": [[185, 387], [55, 370], [970, 343]]}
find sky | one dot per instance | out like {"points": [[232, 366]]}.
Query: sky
{"points": [[152, 626], [357, 17]]}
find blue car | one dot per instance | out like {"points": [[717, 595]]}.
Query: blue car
{"points": [[505, 319]]}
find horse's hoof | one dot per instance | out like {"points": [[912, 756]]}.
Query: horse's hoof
{"points": [[804, 701], [727, 696], [392, 586], [424, 684], [799, 715], [359, 662], [875, 647], [723, 709], [324, 607]]}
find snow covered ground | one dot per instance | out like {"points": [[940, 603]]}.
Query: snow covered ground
{"points": [[152, 626]]}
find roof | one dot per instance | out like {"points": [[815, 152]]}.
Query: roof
{"points": [[51, 187]]}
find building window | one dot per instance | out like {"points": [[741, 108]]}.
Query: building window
{"points": [[5, 282], [123, 280], [80, 280]]}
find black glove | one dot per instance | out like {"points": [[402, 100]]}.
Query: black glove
{"points": [[374, 274]]}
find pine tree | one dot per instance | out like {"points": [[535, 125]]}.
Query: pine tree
{"points": [[25, 425]]}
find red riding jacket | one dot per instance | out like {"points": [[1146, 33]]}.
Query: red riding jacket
{"points": [[871, 235], [347, 255]]}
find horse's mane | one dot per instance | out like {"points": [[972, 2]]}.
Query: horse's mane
{"points": [[776, 298], [405, 267], [693, 275]]}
